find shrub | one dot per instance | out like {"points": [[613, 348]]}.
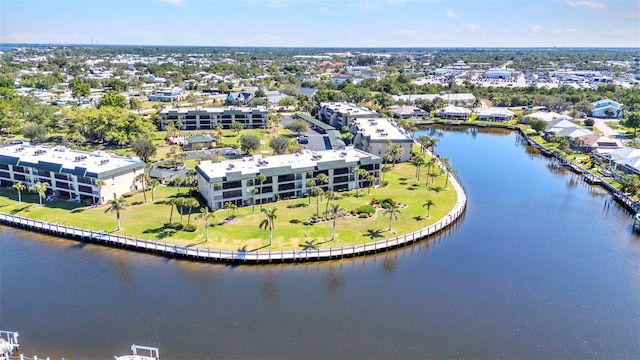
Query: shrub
{"points": [[589, 122], [385, 183], [173, 225], [365, 209], [373, 202], [189, 228], [388, 201], [132, 193]]}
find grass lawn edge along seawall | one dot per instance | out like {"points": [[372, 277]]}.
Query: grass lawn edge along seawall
{"points": [[300, 224]]}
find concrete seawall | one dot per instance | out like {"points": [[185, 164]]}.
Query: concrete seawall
{"points": [[254, 257]]}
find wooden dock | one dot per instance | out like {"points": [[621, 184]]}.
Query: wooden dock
{"points": [[212, 255]]}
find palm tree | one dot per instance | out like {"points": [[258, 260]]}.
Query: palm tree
{"points": [[337, 212], [261, 179], [191, 203], [173, 203], [310, 184], [143, 178], [322, 179], [19, 187], [430, 165], [253, 191], [370, 179], [361, 174], [179, 181], [180, 203], [116, 205], [433, 143], [395, 151], [153, 183], [269, 222], [317, 192], [429, 203], [40, 188], [393, 210], [330, 195], [100, 184], [417, 161], [424, 142], [206, 215]]}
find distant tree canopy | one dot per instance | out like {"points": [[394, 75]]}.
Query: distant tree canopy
{"points": [[113, 98]]}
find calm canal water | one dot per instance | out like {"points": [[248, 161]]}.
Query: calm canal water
{"points": [[537, 268]]}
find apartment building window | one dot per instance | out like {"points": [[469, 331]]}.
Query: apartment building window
{"points": [[232, 185], [5, 174], [4, 167], [231, 194]]}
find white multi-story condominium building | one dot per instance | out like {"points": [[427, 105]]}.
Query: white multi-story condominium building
{"points": [[376, 135], [285, 176], [208, 118], [339, 115], [71, 174]]}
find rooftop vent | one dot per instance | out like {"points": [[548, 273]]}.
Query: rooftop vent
{"points": [[104, 161], [80, 158], [40, 152]]}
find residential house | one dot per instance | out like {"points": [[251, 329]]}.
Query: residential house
{"points": [[453, 112], [408, 112], [168, 95], [495, 114], [606, 109], [239, 98]]}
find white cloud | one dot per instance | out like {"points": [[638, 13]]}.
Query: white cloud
{"points": [[587, 4], [175, 2], [536, 28], [473, 28], [451, 14], [395, 2]]}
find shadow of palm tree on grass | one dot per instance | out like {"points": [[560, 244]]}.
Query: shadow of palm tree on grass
{"points": [[160, 232], [309, 245], [373, 234]]}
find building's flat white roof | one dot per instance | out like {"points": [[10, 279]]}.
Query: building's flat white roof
{"points": [[495, 111], [344, 108], [212, 109], [380, 129], [253, 164], [95, 162], [447, 97]]}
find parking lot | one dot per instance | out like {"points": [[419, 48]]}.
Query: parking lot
{"points": [[317, 141]]}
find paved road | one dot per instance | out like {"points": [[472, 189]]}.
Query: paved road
{"points": [[316, 140], [601, 124]]}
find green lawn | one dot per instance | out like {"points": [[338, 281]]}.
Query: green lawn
{"points": [[146, 220]]}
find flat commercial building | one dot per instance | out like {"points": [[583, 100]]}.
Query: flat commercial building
{"points": [[375, 136], [71, 174], [208, 118], [286, 175], [461, 99], [339, 114]]}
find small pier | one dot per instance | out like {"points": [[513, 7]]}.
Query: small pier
{"points": [[139, 352], [8, 344]]}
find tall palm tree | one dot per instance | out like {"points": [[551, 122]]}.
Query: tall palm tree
{"points": [[424, 142], [433, 143], [330, 195], [40, 188], [336, 212], [310, 183], [143, 178], [393, 210], [191, 203], [116, 205], [370, 179], [179, 181], [361, 175], [19, 187], [395, 151], [269, 223], [206, 215], [322, 179], [261, 179], [317, 192], [428, 204], [417, 161], [254, 191], [180, 204], [173, 203], [153, 183], [430, 165]]}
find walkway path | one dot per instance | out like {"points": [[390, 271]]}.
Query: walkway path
{"points": [[606, 130]]}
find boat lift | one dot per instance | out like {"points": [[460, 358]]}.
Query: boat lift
{"points": [[8, 344], [148, 353]]}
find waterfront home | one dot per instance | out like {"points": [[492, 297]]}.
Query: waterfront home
{"points": [[408, 112], [453, 112], [72, 174], [592, 142], [606, 109], [495, 114], [547, 116], [286, 176], [376, 135], [200, 118]]}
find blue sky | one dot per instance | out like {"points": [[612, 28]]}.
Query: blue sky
{"points": [[327, 23]]}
